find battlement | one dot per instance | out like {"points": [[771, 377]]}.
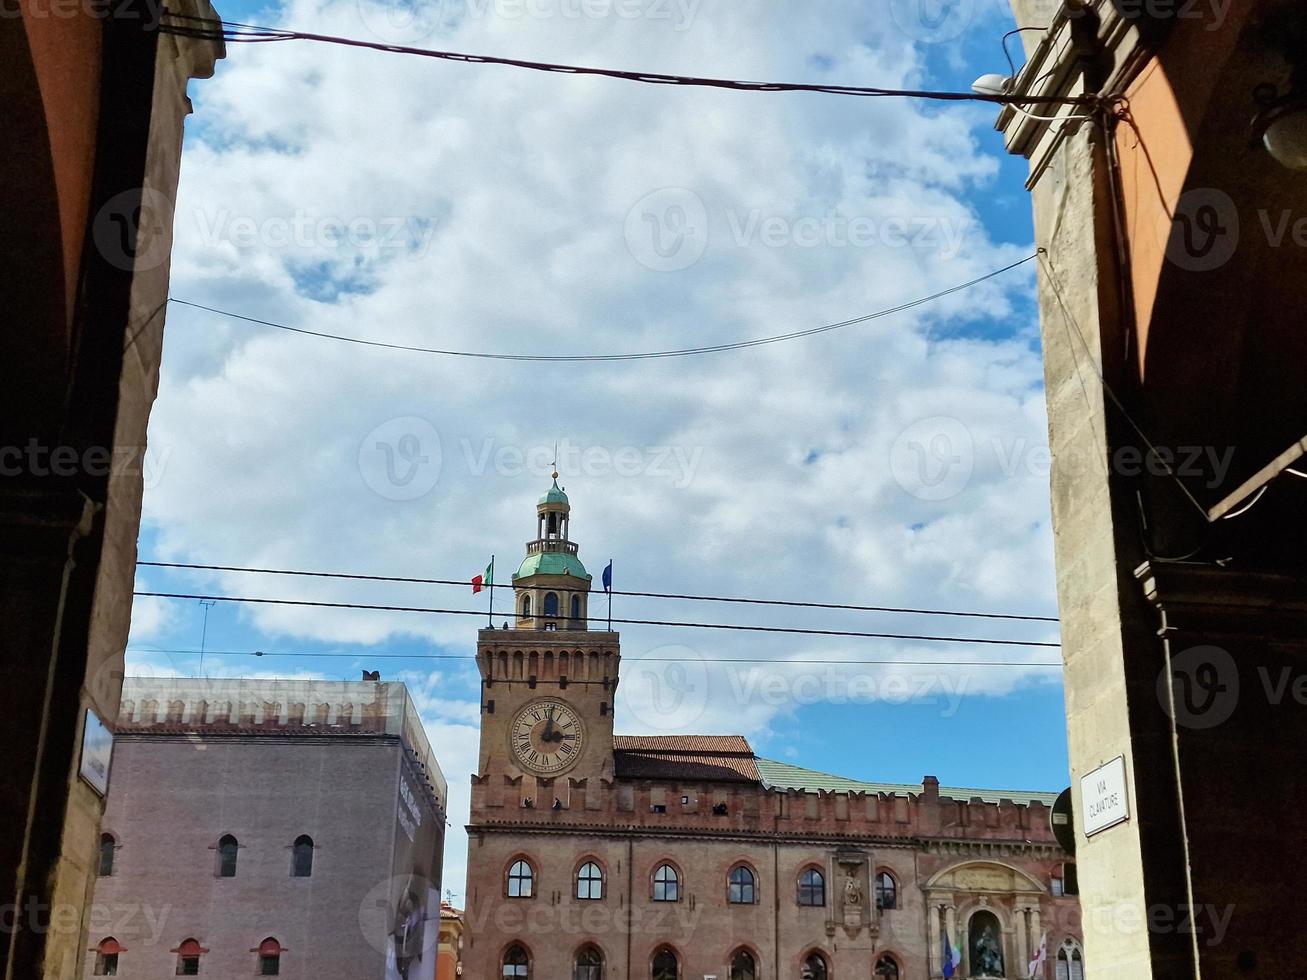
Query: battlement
{"points": [[247, 706], [748, 808], [552, 656]]}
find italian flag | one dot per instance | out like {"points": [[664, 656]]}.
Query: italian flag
{"points": [[479, 582]]}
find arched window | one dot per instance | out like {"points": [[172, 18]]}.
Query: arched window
{"points": [[576, 607], [1070, 961], [269, 958], [887, 891], [665, 965], [107, 846], [106, 957], [301, 857], [188, 958], [590, 881], [985, 945], [521, 881], [551, 604], [666, 884], [589, 965], [743, 966], [227, 848], [526, 607], [814, 967], [516, 962], [742, 888], [812, 888], [887, 966]]}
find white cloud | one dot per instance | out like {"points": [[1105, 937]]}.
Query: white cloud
{"points": [[483, 208]]}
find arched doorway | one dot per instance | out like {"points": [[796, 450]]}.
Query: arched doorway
{"points": [[985, 945]]}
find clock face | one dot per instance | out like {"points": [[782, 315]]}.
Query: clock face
{"points": [[546, 737]]}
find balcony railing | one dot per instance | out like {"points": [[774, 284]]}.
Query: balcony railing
{"points": [[550, 544]]}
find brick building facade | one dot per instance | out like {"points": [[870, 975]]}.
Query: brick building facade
{"points": [[596, 856], [278, 828]]}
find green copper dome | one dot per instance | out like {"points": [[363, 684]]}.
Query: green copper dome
{"points": [[555, 495], [552, 563]]}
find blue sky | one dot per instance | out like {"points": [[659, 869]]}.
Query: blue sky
{"points": [[899, 462]]}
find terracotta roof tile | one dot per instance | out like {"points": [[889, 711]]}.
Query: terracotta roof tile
{"points": [[721, 767], [711, 744]]}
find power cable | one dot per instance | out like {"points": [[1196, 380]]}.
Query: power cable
{"points": [[644, 595], [319, 604], [210, 29], [716, 348], [643, 660]]}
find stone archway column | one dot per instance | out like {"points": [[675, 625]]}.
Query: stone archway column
{"points": [[1021, 937], [935, 947]]}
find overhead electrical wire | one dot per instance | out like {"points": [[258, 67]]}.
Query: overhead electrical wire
{"points": [[801, 661], [682, 352], [210, 29], [736, 627], [195, 566]]}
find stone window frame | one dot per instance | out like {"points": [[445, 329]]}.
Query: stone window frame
{"points": [[753, 953], [877, 889], [671, 948], [534, 868], [295, 852], [110, 838], [503, 952], [746, 865], [894, 958], [680, 886], [798, 885], [105, 948], [270, 948], [581, 948], [603, 878], [809, 952], [217, 855], [188, 949]]}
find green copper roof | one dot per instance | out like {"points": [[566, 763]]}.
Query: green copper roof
{"points": [[555, 495], [552, 563], [782, 775]]}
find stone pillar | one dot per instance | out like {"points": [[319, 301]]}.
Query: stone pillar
{"points": [[1020, 935], [1036, 934], [935, 944]]}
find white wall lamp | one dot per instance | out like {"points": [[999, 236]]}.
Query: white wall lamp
{"points": [[1281, 121]]}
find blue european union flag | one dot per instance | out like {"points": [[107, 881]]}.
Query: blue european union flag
{"points": [[608, 576]]}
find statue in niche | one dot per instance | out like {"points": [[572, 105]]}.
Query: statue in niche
{"points": [[852, 890], [988, 959]]}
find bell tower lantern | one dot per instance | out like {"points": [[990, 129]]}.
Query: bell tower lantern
{"points": [[551, 588]]}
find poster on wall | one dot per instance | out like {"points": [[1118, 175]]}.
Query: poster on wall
{"points": [[97, 752]]}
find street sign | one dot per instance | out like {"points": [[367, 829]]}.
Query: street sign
{"points": [[1103, 798]]}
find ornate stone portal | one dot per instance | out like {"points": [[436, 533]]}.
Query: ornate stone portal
{"points": [[852, 870]]}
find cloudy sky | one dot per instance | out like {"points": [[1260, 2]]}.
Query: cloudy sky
{"points": [[897, 462]]}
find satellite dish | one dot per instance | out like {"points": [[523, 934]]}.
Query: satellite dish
{"points": [[1062, 821]]}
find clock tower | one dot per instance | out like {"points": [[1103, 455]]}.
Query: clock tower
{"points": [[547, 680]]}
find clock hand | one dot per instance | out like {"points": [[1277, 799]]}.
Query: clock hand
{"points": [[549, 727]]}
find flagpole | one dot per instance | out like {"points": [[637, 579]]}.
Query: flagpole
{"points": [[610, 598], [491, 614]]}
